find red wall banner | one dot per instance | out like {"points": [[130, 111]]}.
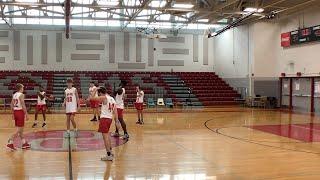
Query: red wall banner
{"points": [[285, 39]]}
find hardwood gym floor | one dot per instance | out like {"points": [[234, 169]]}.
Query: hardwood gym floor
{"points": [[215, 143]]}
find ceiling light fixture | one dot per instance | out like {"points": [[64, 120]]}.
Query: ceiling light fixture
{"points": [[185, 6], [252, 9], [203, 20]]}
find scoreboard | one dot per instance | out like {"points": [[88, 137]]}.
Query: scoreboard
{"points": [[300, 36]]}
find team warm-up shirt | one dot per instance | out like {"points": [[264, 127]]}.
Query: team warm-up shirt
{"points": [[43, 101], [140, 96], [120, 99], [71, 100], [92, 90], [16, 101], [107, 107]]}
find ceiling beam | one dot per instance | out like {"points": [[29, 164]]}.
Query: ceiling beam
{"points": [[101, 19], [216, 9], [309, 4], [67, 17], [134, 15]]}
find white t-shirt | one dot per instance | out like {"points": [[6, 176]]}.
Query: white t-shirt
{"points": [[71, 100], [93, 91], [16, 101], [43, 101], [140, 97], [107, 107], [120, 99]]}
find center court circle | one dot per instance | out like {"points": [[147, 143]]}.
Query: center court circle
{"points": [[54, 141]]}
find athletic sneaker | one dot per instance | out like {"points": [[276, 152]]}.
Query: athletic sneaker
{"points": [[94, 119], [107, 158], [44, 125], [26, 146], [125, 136], [11, 147], [66, 134], [115, 134], [76, 133], [34, 125]]}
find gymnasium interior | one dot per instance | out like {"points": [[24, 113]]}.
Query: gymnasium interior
{"points": [[231, 88]]}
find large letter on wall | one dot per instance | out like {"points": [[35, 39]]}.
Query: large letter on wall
{"points": [[59, 47], [195, 48], [150, 52], [126, 49], [138, 48], [44, 49], [29, 50], [16, 45], [112, 49], [205, 51]]}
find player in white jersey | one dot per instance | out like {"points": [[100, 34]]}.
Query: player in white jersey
{"points": [[41, 106], [94, 104], [108, 111], [20, 115], [120, 107], [72, 104], [139, 104]]}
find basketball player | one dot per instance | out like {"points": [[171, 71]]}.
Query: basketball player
{"points": [[20, 115], [120, 107], [139, 104], [41, 106], [94, 104], [72, 104], [108, 110]]}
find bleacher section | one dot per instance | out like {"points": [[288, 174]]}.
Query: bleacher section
{"points": [[195, 88]]}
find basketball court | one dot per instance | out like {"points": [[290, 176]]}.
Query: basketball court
{"points": [[159, 89]]}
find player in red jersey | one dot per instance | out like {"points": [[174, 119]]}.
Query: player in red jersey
{"points": [[139, 104], [19, 115], [41, 106], [108, 112], [94, 104]]}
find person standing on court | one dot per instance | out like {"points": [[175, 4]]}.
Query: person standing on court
{"points": [[139, 104], [19, 115], [94, 105], [108, 112], [120, 94], [72, 104], [40, 107]]}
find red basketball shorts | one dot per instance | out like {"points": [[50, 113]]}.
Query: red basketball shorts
{"points": [[120, 113], [104, 125], [41, 107], [19, 118], [71, 113], [139, 106], [94, 104]]}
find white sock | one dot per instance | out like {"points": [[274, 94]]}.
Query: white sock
{"points": [[68, 131], [10, 141], [23, 141]]}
